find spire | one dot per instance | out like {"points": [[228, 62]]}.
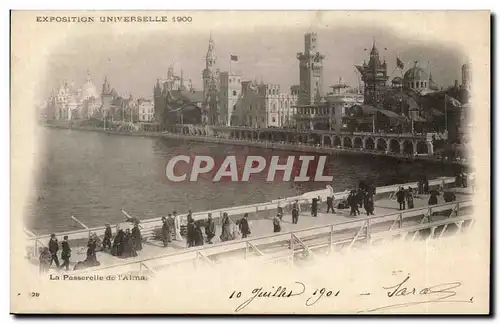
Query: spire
{"points": [[89, 79], [211, 58], [374, 51]]}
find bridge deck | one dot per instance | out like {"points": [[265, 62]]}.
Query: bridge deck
{"points": [[263, 227]]}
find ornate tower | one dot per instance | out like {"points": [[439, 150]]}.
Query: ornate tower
{"points": [[106, 98], [310, 71], [374, 76], [211, 84]]}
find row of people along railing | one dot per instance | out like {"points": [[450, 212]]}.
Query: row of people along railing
{"points": [[296, 245], [261, 210]]}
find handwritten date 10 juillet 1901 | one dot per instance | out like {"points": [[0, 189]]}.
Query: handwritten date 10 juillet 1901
{"points": [[402, 293]]}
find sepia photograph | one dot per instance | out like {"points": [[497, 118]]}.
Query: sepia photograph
{"points": [[250, 162]]}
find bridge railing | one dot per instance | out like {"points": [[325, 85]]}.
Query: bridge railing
{"points": [[318, 131], [346, 234], [266, 209]]}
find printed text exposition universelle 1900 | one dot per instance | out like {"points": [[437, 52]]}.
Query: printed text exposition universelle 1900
{"points": [[114, 19]]}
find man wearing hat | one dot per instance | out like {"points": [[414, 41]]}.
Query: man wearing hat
{"points": [[165, 231], [53, 248], [66, 253], [171, 225]]}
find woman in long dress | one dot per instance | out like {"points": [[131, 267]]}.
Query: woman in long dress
{"points": [[409, 198], [117, 249], [136, 237], [226, 228]]}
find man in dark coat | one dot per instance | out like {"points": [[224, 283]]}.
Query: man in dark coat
{"points": [[244, 228], [295, 212], [401, 198], [210, 228], [91, 247], [171, 227], [136, 237], [108, 234], [198, 235], [352, 201], [53, 248], [369, 206], [66, 253], [165, 231], [329, 204], [314, 207], [426, 185], [191, 232]]}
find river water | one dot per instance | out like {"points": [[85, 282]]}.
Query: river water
{"points": [[93, 175]]}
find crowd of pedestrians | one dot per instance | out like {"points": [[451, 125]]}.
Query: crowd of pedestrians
{"points": [[126, 243]]}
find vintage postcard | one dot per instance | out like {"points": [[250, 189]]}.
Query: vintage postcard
{"points": [[251, 162]]}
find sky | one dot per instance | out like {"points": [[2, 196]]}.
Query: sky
{"points": [[132, 62]]}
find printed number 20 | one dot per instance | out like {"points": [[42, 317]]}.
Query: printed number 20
{"points": [[35, 294]]}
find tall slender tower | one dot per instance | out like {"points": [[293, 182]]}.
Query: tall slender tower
{"points": [[310, 71], [374, 75], [211, 84], [106, 98]]}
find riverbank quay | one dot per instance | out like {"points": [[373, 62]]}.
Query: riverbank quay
{"points": [[211, 137], [260, 218]]}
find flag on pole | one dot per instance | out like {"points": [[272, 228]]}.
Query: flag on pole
{"points": [[399, 63], [234, 58]]}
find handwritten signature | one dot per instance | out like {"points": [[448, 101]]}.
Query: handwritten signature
{"points": [[440, 293], [403, 293]]}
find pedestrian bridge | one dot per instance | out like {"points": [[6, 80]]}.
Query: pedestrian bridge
{"points": [[400, 144], [295, 246]]}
